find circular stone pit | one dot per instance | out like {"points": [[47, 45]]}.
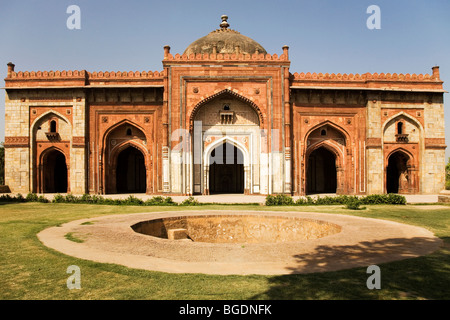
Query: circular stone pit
{"points": [[241, 229], [330, 242]]}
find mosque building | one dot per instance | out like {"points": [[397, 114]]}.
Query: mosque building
{"points": [[224, 116]]}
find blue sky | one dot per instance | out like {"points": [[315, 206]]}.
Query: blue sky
{"points": [[323, 35]]}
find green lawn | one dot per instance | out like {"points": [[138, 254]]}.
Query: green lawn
{"points": [[29, 270]]}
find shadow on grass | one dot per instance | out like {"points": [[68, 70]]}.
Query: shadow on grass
{"points": [[426, 277]]}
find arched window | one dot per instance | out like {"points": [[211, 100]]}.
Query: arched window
{"points": [[400, 128], [323, 132], [129, 132], [53, 126]]}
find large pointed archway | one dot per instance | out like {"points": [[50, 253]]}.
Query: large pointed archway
{"points": [[226, 170], [226, 120]]}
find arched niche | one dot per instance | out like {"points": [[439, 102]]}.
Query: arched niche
{"points": [[325, 160], [125, 159]]}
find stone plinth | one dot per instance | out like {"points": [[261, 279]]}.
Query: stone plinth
{"points": [[444, 196], [177, 234]]}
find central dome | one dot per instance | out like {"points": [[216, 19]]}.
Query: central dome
{"points": [[223, 41]]}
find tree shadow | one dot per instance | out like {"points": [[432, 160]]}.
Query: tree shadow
{"points": [[340, 272]]}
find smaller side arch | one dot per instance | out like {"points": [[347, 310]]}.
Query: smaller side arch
{"points": [[110, 152], [401, 172], [415, 153], [129, 170], [53, 172], [338, 164], [340, 152], [111, 169]]}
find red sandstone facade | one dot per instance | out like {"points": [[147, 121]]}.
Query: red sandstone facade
{"points": [[128, 132]]}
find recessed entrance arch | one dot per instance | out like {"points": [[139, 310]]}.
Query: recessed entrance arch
{"points": [[54, 172], [126, 159], [130, 171], [397, 173], [326, 162], [226, 169], [226, 117], [321, 172]]}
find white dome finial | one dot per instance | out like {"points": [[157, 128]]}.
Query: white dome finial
{"points": [[224, 23]]}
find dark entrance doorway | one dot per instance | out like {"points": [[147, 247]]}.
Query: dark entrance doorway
{"points": [[226, 170], [397, 173], [55, 172], [321, 175], [131, 176]]}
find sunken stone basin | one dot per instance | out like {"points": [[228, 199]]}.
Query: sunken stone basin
{"points": [[246, 242], [237, 229]]}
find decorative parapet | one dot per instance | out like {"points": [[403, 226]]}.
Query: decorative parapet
{"points": [[45, 78], [84, 74], [80, 78], [370, 80], [124, 78], [126, 75], [48, 74], [364, 77], [226, 57]]}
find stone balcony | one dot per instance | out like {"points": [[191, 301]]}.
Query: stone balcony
{"points": [[53, 136], [402, 138], [226, 117]]}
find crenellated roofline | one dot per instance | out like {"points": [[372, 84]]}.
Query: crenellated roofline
{"points": [[81, 78], [365, 76], [369, 81], [227, 57]]}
